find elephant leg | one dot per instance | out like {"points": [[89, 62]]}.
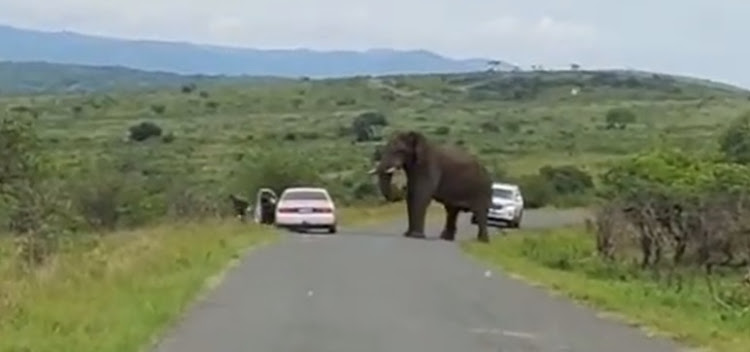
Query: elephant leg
{"points": [[418, 212], [449, 231], [410, 213], [417, 201], [481, 216], [413, 228]]}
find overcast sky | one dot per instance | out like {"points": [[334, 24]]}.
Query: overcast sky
{"points": [[696, 37]]}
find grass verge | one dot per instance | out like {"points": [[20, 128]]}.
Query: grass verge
{"points": [[563, 260], [114, 293]]}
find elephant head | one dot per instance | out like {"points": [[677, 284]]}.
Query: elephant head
{"points": [[405, 150]]}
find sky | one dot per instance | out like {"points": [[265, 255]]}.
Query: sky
{"points": [[694, 37]]}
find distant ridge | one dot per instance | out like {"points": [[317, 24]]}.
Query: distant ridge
{"points": [[65, 47]]}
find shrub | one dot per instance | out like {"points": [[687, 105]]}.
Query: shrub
{"points": [[364, 126], [734, 143], [144, 131], [537, 192], [567, 179], [158, 109], [619, 118], [442, 130], [669, 203], [105, 197], [32, 210]]}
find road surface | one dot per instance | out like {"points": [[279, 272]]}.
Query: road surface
{"points": [[372, 290]]}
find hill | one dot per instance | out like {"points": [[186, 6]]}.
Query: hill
{"points": [[517, 121], [20, 45], [45, 78]]}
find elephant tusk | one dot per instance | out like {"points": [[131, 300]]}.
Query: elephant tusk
{"points": [[389, 171]]}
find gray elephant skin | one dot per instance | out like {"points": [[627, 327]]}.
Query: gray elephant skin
{"points": [[444, 173]]}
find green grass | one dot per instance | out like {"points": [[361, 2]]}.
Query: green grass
{"points": [[115, 293], [515, 134], [563, 260]]}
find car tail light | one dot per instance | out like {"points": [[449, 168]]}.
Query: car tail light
{"points": [[287, 210], [323, 210]]}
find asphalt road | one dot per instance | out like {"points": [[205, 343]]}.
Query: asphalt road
{"points": [[372, 290]]}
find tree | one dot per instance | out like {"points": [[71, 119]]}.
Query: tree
{"points": [[734, 143], [364, 125], [493, 64]]}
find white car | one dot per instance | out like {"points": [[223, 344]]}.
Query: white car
{"points": [[305, 208], [507, 205]]}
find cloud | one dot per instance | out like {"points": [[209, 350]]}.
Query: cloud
{"points": [[548, 32], [449, 26]]}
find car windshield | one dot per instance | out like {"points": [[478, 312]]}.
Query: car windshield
{"points": [[305, 195], [502, 193]]}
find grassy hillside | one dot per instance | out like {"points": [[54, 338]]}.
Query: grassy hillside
{"points": [[517, 121], [19, 78]]}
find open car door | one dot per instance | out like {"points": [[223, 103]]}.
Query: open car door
{"points": [[265, 206]]}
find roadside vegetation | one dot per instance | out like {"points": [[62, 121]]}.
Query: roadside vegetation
{"points": [[91, 185], [117, 292], [668, 244]]}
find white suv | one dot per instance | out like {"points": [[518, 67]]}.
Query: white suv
{"points": [[507, 205]]}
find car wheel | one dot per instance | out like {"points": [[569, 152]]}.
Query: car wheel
{"points": [[332, 229], [517, 222]]}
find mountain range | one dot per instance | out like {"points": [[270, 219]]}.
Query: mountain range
{"points": [[64, 47]]}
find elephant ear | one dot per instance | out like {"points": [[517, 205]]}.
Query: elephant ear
{"points": [[418, 145]]}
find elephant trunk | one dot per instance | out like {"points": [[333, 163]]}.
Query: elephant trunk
{"points": [[386, 188]]}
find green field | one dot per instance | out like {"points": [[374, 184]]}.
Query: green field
{"points": [[77, 167], [518, 122]]}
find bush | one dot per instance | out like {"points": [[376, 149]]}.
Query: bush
{"points": [[107, 198], [556, 185], [144, 131], [28, 198], [442, 130], [364, 126], [619, 118], [567, 179], [537, 191], [158, 109], [668, 203], [734, 143]]}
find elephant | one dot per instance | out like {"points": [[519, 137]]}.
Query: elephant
{"points": [[446, 174]]}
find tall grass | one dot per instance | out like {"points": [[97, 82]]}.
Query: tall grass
{"points": [[114, 293]]}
